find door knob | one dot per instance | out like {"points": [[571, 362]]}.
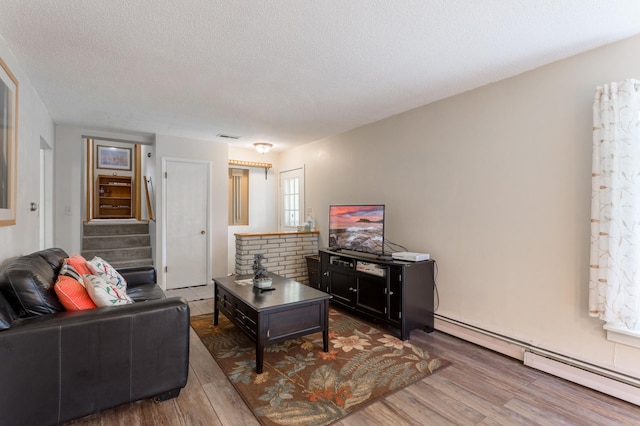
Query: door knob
{"points": [[203, 232]]}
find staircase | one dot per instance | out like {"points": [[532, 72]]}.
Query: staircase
{"points": [[121, 243]]}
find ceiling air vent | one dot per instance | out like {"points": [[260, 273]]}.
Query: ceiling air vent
{"points": [[222, 135]]}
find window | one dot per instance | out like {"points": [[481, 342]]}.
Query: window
{"points": [[238, 197], [614, 278], [291, 199]]}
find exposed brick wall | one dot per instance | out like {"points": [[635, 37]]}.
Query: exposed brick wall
{"points": [[284, 253]]}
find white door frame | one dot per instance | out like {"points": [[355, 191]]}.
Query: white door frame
{"points": [[45, 200], [165, 160]]}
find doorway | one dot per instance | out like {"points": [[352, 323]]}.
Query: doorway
{"points": [[186, 206], [113, 185]]}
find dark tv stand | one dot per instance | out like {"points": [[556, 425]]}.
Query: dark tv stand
{"points": [[399, 294]]}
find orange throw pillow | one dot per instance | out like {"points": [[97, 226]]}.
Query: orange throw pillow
{"points": [[79, 263], [72, 294]]}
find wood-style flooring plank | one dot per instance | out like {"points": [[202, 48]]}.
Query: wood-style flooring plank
{"points": [[478, 383], [204, 366], [481, 402], [561, 408], [422, 395], [415, 411], [228, 404], [194, 404], [129, 414], [200, 307], [590, 404], [539, 414], [379, 413], [150, 413]]}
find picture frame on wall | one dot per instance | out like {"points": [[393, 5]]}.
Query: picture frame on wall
{"points": [[113, 158], [8, 144]]}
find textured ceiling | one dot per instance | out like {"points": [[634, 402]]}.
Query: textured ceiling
{"points": [[286, 71]]}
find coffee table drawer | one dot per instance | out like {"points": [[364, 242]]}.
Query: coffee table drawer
{"points": [[245, 317], [225, 302]]}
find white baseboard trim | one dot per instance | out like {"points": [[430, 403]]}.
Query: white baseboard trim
{"points": [[612, 383], [484, 338]]}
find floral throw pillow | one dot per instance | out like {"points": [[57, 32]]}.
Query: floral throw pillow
{"points": [[100, 267], [103, 293]]}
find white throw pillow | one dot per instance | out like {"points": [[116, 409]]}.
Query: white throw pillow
{"points": [[104, 293], [99, 266]]}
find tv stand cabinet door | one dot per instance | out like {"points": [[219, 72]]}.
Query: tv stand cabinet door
{"points": [[324, 273], [342, 286], [371, 297]]}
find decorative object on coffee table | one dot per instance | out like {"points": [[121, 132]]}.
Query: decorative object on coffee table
{"points": [[261, 278]]}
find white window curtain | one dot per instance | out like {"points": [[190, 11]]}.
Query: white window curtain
{"points": [[614, 281]]}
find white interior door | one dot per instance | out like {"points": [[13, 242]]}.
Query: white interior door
{"points": [[187, 223]]}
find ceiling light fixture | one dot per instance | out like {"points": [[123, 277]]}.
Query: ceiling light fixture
{"points": [[263, 147]]}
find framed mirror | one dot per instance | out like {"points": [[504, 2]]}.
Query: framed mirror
{"points": [[8, 144]]}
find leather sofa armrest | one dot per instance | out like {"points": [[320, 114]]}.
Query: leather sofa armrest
{"points": [[78, 363], [138, 275]]}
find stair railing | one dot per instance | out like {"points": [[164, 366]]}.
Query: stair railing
{"points": [[147, 184]]}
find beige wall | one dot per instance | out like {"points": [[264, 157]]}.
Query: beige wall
{"points": [[34, 125], [495, 185]]}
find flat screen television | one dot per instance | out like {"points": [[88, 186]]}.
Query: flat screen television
{"points": [[357, 228]]}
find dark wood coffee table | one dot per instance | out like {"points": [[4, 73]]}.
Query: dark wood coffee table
{"points": [[290, 310]]}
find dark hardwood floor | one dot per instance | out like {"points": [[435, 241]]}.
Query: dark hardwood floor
{"points": [[481, 387]]}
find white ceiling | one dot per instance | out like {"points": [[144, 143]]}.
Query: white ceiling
{"points": [[286, 71]]}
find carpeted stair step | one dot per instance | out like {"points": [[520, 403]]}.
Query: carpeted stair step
{"points": [[93, 229], [135, 262], [119, 255], [101, 242], [119, 242]]}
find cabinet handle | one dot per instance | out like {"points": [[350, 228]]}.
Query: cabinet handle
{"points": [[390, 293]]}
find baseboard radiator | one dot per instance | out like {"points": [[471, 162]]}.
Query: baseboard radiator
{"points": [[589, 375]]}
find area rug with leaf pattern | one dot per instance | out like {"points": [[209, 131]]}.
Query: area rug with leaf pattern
{"points": [[303, 385]]}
